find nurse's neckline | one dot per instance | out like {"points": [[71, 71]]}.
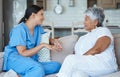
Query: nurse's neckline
{"points": [[25, 25]]}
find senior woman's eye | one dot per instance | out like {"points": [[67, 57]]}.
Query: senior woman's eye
{"points": [[86, 18]]}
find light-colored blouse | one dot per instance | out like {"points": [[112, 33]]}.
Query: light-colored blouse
{"points": [[87, 41]]}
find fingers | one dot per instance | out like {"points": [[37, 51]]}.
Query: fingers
{"points": [[56, 48], [57, 43]]}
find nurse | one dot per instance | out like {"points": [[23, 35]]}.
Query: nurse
{"points": [[21, 52], [94, 52]]}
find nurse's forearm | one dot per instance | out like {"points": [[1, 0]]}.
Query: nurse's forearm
{"points": [[22, 50], [32, 51]]}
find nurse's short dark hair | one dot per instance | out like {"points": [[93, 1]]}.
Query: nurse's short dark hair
{"points": [[29, 11]]}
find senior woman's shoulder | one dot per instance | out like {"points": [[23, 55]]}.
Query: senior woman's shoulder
{"points": [[103, 29]]}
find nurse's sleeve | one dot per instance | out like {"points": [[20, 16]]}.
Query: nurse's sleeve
{"points": [[17, 37]]}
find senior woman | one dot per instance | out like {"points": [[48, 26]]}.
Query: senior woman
{"points": [[94, 52]]}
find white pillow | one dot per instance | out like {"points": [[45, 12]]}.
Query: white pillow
{"points": [[44, 54]]}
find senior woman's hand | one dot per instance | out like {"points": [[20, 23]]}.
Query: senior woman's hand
{"points": [[56, 44]]}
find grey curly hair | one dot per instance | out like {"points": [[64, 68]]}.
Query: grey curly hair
{"points": [[96, 13]]}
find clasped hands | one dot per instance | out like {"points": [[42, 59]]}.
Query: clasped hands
{"points": [[54, 45]]}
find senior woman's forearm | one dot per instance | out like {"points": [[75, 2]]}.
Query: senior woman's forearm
{"points": [[93, 52], [101, 44]]}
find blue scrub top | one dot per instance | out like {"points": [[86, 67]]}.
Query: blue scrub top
{"points": [[20, 36]]}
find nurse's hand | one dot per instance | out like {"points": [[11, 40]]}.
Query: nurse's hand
{"points": [[45, 45], [51, 47], [56, 43], [55, 48]]}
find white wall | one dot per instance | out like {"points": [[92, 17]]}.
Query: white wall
{"points": [[19, 7], [75, 13], [113, 16], [69, 14], [13, 11]]}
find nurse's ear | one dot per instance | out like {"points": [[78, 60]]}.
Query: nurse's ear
{"points": [[33, 15]]}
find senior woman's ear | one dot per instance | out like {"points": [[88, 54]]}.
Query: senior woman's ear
{"points": [[96, 22]]}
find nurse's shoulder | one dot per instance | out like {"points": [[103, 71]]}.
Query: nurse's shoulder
{"points": [[18, 28]]}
